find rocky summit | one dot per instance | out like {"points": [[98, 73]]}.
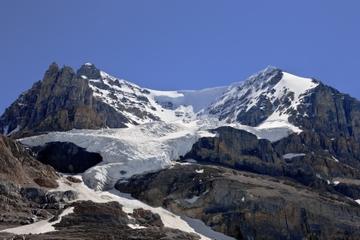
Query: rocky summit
{"points": [[86, 155]]}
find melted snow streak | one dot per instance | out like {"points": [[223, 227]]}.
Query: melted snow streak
{"points": [[293, 155]]}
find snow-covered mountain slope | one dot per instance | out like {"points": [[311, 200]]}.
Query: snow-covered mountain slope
{"points": [[266, 100], [142, 105], [93, 99]]}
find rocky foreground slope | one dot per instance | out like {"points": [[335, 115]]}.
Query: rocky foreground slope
{"points": [[31, 202], [246, 205]]}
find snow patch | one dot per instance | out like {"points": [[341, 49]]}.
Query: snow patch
{"points": [[192, 199], [135, 226], [293, 155], [199, 171], [336, 182], [43, 226]]}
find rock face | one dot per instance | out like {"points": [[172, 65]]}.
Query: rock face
{"points": [[19, 205], [246, 205], [61, 101], [66, 157], [23, 184], [108, 221], [18, 166], [329, 112], [309, 158]]}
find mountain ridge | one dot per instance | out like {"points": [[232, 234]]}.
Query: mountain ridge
{"points": [[103, 101]]}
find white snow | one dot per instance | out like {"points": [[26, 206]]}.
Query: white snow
{"points": [[43, 226], [293, 155], [135, 226], [199, 171], [335, 159], [289, 83], [201, 228], [198, 99], [336, 182], [358, 201], [192, 199]]}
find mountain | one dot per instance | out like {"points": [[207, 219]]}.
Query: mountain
{"points": [[270, 95], [226, 158], [92, 99]]}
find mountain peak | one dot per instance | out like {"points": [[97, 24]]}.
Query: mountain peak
{"points": [[270, 75], [89, 70]]}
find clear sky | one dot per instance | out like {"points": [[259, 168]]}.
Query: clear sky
{"points": [[180, 44]]}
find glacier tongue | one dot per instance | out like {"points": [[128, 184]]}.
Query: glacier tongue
{"points": [[135, 150]]}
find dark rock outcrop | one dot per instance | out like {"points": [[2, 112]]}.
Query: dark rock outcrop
{"points": [[316, 166], [19, 166], [19, 206], [329, 112], [66, 157], [62, 101], [246, 205], [23, 184]]}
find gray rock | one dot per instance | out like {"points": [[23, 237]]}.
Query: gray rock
{"points": [[246, 205]]}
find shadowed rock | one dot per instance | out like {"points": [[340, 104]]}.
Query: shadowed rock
{"points": [[67, 157]]}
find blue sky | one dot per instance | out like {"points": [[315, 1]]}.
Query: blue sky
{"points": [[187, 44]]}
